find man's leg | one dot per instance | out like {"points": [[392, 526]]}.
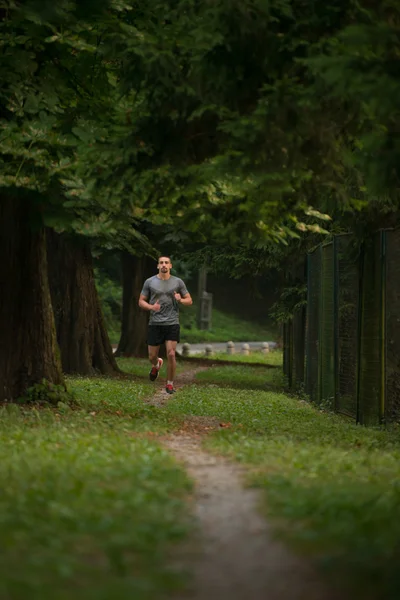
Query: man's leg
{"points": [[171, 367], [155, 361], [153, 354]]}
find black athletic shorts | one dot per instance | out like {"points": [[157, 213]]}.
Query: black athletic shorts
{"points": [[158, 334]]}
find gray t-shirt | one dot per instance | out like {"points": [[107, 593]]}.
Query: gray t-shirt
{"points": [[162, 291]]}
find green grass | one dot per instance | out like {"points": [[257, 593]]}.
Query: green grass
{"points": [[140, 367], [88, 508], [334, 485], [91, 507], [241, 376], [272, 358], [225, 328]]}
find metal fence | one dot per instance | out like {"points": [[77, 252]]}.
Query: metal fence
{"points": [[346, 347], [294, 350]]}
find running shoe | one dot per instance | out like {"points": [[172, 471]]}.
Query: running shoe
{"points": [[155, 370]]}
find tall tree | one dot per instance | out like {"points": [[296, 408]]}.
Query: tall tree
{"points": [[135, 269], [45, 91], [28, 346], [81, 333]]}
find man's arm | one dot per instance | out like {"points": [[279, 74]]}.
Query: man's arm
{"points": [[185, 299], [146, 306]]}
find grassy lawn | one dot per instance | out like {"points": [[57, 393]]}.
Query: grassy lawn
{"points": [[334, 485], [225, 328], [242, 377], [140, 367], [256, 356], [89, 509]]}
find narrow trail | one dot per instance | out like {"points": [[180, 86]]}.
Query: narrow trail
{"points": [[236, 556]]}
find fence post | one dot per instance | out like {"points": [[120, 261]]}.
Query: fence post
{"points": [[201, 287], [307, 385], [359, 329], [320, 311], [336, 322], [383, 327], [206, 311], [290, 352], [313, 323]]}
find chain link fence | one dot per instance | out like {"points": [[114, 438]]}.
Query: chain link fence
{"points": [[372, 334], [392, 325], [299, 337], [346, 346], [326, 358], [348, 279], [312, 323]]}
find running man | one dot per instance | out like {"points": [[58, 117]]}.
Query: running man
{"points": [[161, 295]]}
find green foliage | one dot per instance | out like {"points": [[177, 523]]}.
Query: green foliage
{"points": [[292, 299], [332, 484], [46, 392], [88, 509], [225, 176], [110, 294], [121, 112], [359, 69]]}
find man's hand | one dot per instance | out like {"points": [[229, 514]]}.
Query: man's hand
{"points": [[156, 307], [178, 297]]}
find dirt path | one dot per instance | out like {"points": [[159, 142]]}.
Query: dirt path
{"points": [[236, 556], [161, 397]]}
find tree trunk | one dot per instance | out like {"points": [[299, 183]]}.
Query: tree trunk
{"points": [[28, 346], [134, 320], [81, 333]]}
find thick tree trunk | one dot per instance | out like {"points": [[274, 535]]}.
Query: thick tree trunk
{"points": [[28, 347], [81, 333], [134, 320]]}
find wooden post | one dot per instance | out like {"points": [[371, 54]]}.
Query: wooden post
{"points": [[201, 288]]}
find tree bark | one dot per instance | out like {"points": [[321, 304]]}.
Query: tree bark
{"points": [[81, 333], [28, 346], [134, 320]]}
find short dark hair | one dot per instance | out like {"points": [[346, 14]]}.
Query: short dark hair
{"points": [[164, 256]]}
